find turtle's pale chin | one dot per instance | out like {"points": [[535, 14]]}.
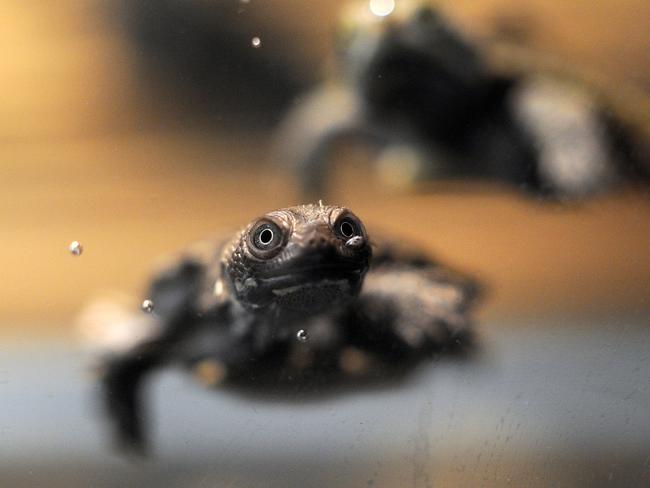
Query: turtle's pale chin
{"points": [[314, 297], [310, 290]]}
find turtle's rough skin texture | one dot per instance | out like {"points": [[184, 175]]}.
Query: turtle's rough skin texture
{"points": [[298, 299]]}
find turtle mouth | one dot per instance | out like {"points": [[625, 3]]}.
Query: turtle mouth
{"points": [[313, 277], [309, 289], [314, 290]]}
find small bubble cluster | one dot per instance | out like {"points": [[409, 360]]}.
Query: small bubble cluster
{"points": [[256, 42], [75, 248], [147, 306], [302, 335]]}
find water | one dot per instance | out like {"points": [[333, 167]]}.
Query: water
{"points": [[541, 406], [557, 392]]}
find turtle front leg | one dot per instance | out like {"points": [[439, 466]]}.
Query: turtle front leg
{"points": [[122, 394], [409, 312]]}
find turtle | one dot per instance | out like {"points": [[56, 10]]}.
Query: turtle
{"points": [[436, 105], [300, 302]]}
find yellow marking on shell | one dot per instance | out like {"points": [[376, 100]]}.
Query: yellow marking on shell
{"points": [[353, 361], [210, 372]]}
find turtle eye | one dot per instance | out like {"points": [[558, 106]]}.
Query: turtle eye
{"points": [[265, 237], [348, 227]]}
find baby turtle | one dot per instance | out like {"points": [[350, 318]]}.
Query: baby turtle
{"points": [[298, 299], [437, 107]]}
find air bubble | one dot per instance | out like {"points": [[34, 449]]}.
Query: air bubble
{"points": [[302, 335], [256, 41], [76, 248], [354, 242], [147, 306]]}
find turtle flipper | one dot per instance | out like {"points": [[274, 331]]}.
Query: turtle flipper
{"points": [[174, 293], [122, 392], [412, 306]]}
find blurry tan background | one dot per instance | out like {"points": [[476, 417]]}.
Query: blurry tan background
{"points": [[88, 153]]}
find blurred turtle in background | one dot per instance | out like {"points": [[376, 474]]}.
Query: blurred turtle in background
{"points": [[409, 84]]}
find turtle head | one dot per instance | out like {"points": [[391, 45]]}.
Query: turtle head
{"points": [[304, 258]]}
